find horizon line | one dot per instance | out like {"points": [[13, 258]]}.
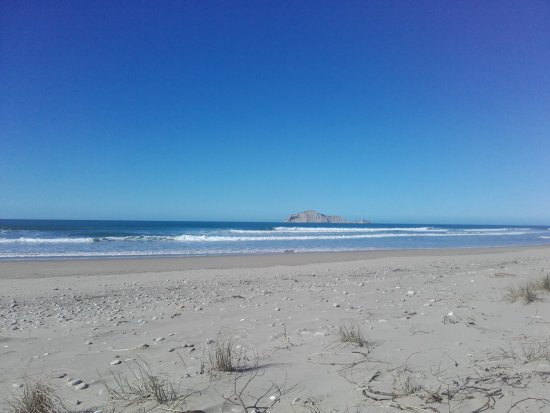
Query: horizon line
{"points": [[371, 222]]}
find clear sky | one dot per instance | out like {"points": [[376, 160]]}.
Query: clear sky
{"points": [[395, 111]]}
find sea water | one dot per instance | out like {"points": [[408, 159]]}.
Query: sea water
{"points": [[28, 239]]}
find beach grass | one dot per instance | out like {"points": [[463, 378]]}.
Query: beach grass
{"points": [[529, 290], [351, 333], [222, 357], [37, 396], [143, 387]]}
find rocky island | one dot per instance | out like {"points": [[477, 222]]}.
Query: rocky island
{"points": [[315, 217]]}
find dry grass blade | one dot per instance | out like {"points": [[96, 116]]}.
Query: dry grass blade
{"points": [[529, 294], [527, 399], [255, 399], [537, 351], [404, 384], [37, 396], [222, 357], [543, 283], [144, 388], [311, 406], [526, 292], [352, 334]]}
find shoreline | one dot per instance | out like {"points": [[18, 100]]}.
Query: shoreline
{"points": [[63, 267]]}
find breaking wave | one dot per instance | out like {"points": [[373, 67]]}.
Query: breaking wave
{"points": [[334, 230], [308, 235], [27, 240]]}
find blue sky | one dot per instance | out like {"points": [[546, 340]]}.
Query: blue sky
{"points": [[395, 111]]}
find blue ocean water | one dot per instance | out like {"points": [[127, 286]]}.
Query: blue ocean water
{"points": [[27, 239]]}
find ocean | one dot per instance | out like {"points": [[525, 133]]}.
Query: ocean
{"points": [[39, 239]]}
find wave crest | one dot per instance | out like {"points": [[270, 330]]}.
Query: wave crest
{"points": [[27, 240]]}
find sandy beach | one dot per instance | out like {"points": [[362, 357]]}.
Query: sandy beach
{"points": [[426, 331]]}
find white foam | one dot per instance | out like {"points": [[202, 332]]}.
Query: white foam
{"points": [[359, 229], [293, 234], [140, 238], [214, 238], [494, 229], [26, 240], [174, 252], [84, 254], [334, 230]]}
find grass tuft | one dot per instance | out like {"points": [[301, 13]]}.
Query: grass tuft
{"points": [[526, 352], [352, 334], [144, 388], [543, 283], [222, 357], [528, 291], [405, 384], [37, 396]]}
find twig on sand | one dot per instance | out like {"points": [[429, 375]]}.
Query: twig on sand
{"points": [[545, 401], [264, 400]]}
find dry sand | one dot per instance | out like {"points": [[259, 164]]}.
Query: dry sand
{"points": [[440, 336]]}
